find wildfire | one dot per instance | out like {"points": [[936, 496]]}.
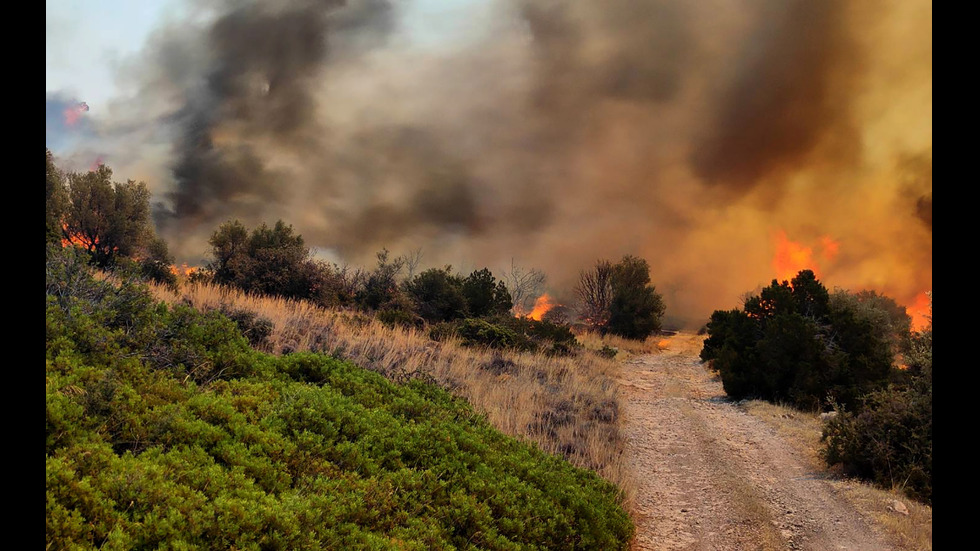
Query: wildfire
{"points": [[76, 239], [73, 113], [791, 256], [96, 164], [541, 307], [921, 311], [183, 270]]}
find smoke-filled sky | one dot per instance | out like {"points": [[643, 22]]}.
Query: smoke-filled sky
{"points": [[727, 142]]}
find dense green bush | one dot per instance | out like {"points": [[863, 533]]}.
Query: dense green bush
{"points": [[889, 440], [619, 299], [503, 331], [796, 342], [636, 308], [438, 295], [478, 332], [485, 296], [165, 429]]}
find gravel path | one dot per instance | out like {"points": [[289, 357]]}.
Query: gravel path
{"points": [[712, 477]]}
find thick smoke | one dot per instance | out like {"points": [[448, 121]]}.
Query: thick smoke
{"points": [[554, 133]]}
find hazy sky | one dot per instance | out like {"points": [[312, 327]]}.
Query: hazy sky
{"points": [[86, 40], [711, 138]]}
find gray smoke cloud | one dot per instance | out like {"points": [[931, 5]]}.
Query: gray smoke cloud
{"points": [[551, 132]]}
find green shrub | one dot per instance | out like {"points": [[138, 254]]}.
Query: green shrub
{"points": [[400, 317], [254, 327], [889, 441], [438, 295], [796, 343], [164, 429], [635, 308]]}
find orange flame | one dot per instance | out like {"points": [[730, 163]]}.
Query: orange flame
{"points": [[73, 113], [828, 247], [541, 307], [183, 270], [96, 164], [77, 239], [792, 256], [920, 311]]}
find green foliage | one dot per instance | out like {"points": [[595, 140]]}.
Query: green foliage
{"points": [[480, 333], [485, 296], [518, 333], [270, 261], [254, 327], [55, 200], [438, 295], [380, 289], [635, 308], [156, 266], [165, 430], [110, 220], [795, 342], [889, 439]]}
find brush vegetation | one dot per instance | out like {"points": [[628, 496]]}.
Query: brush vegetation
{"points": [[166, 428], [797, 343]]}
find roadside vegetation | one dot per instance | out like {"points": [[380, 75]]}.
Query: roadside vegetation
{"points": [[853, 353], [165, 427]]}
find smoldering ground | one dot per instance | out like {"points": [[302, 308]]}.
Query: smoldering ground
{"points": [[551, 132]]}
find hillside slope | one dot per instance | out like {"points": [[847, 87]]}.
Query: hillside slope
{"points": [[164, 429]]}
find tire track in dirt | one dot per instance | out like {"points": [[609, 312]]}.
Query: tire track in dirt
{"points": [[712, 477]]}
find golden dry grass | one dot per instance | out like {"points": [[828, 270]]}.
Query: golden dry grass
{"points": [[626, 348], [803, 430], [567, 405]]}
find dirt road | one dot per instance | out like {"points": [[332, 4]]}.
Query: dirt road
{"points": [[712, 477]]}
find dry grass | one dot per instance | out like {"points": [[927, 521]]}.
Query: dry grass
{"points": [[567, 405], [803, 431], [626, 348]]}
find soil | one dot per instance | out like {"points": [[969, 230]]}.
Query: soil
{"points": [[712, 477]]}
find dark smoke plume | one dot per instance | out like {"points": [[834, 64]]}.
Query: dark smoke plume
{"points": [[553, 132]]}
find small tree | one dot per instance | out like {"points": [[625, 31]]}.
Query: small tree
{"points": [[635, 308], [485, 296], [108, 219], [381, 286], [524, 285], [272, 261], [594, 292], [56, 201], [438, 295]]}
